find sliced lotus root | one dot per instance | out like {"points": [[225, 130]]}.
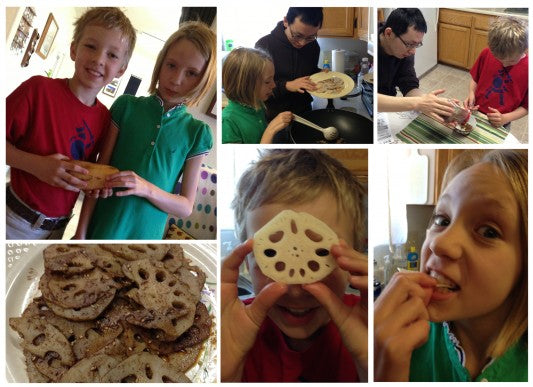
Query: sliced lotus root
{"points": [[134, 252], [77, 291], [294, 248], [50, 366], [83, 314], [66, 260], [41, 338], [174, 259], [90, 369], [34, 375], [185, 358], [144, 368], [96, 175]]}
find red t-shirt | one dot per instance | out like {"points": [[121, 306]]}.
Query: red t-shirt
{"points": [[502, 88], [327, 360], [44, 117]]}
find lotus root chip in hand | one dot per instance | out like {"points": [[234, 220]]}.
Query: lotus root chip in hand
{"points": [[294, 248], [114, 313]]}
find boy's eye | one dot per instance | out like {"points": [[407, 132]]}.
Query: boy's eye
{"points": [[489, 232], [91, 46], [440, 220]]}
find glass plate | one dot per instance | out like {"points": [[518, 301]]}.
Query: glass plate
{"points": [[24, 267]]}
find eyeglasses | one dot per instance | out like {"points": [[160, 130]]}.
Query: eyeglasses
{"points": [[297, 37], [410, 46]]}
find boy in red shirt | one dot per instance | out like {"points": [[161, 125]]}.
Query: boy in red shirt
{"points": [[291, 333], [50, 121], [499, 85]]}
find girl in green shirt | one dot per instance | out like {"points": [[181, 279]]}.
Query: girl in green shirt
{"points": [[153, 141], [472, 285], [248, 81]]}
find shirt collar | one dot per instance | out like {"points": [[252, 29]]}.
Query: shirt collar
{"points": [[162, 104]]}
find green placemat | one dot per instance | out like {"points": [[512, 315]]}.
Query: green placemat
{"points": [[425, 130]]}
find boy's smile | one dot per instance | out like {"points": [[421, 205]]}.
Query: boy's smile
{"points": [[297, 313]]}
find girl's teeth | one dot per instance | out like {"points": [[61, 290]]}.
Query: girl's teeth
{"points": [[298, 312], [442, 282]]}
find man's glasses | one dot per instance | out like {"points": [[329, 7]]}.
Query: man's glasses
{"points": [[298, 37], [410, 46]]}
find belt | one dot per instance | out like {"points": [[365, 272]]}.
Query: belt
{"points": [[35, 218]]}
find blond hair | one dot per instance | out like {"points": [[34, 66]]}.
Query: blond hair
{"points": [[204, 39], [241, 75], [288, 176], [508, 36], [513, 165], [109, 18]]}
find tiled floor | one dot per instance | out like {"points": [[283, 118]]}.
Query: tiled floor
{"points": [[455, 81]]}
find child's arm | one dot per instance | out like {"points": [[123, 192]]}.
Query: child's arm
{"points": [[240, 323], [401, 324], [52, 169], [430, 104], [352, 321], [278, 123], [470, 101], [498, 119], [180, 205]]}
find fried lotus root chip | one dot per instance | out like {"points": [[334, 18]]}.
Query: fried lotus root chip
{"points": [[67, 260], [90, 369], [83, 314], [294, 248], [144, 368], [135, 252], [97, 173]]}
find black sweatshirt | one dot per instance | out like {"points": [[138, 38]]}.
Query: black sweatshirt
{"points": [[289, 63], [394, 72]]}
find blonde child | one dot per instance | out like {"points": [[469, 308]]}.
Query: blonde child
{"points": [[499, 84], [154, 141], [463, 317], [49, 121], [291, 333], [248, 81]]}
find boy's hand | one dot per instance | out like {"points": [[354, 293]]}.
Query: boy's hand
{"points": [[99, 193], [54, 170], [352, 321], [300, 85], [470, 103], [401, 324], [135, 184], [496, 118], [240, 323]]}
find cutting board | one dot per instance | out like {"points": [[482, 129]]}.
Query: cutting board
{"points": [[418, 174]]}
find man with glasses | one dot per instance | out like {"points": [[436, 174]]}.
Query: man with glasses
{"points": [[399, 38], [295, 52]]}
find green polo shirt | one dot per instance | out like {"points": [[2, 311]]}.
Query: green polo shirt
{"points": [[154, 144], [242, 124], [439, 361]]}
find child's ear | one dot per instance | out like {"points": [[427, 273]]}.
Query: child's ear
{"points": [[122, 70], [73, 51]]}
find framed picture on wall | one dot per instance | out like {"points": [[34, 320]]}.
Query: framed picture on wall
{"points": [[48, 36], [111, 88]]}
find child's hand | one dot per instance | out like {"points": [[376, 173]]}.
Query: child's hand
{"points": [[240, 323], [135, 184], [99, 193], [352, 321], [300, 85], [470, 103], [496, 118], [54, 170], [279, 122], [401, 324]]}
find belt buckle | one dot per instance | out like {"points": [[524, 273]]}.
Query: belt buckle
{"points": [[39, 222]]}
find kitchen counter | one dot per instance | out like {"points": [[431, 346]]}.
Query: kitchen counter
{"points": [[389, 124], [497, 11]]}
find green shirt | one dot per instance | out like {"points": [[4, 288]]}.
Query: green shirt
{"points": [[242, 124], [154, 144], [439, 361]]}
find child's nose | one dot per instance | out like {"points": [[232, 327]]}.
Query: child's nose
{"points": [[178, 77], [99, 57], [448, 243], [296, 291]]}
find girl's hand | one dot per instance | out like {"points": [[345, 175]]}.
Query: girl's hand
{"points": [[240, 323], [55, 170], [279, 122], [135, 184], [496, 118], [352, 321], [101, 193], [401, 324], [300, 85]]}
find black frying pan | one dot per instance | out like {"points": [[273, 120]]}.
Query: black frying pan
{"points": [[353, 128]]}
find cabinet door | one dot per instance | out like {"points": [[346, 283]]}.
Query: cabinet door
{"points": [[338, 21], [361, 24], [478, 42], [453, 45]]}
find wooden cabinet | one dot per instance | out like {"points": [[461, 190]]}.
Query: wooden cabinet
{"points": [[355, 160], [462, 36], [348, 22]]}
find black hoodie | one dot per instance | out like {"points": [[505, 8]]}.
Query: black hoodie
{"points": [[289, 63]]}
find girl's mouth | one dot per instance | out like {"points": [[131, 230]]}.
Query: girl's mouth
{"points": [[444, 284]]}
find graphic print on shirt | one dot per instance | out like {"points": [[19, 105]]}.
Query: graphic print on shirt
{"points": [[498, 85], [82, 141]]}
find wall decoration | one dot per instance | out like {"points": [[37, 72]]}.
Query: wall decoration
{"points": [[111, 88], [49, 34]]}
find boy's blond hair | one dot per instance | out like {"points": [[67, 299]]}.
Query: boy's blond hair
{"points": [[204, 39], [513, 165], [288, 176], [109, 18], [242, 72], [508, 36]]}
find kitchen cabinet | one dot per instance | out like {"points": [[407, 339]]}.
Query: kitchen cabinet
{"points": [[355, 160], [462, 36], [345, 22]]}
